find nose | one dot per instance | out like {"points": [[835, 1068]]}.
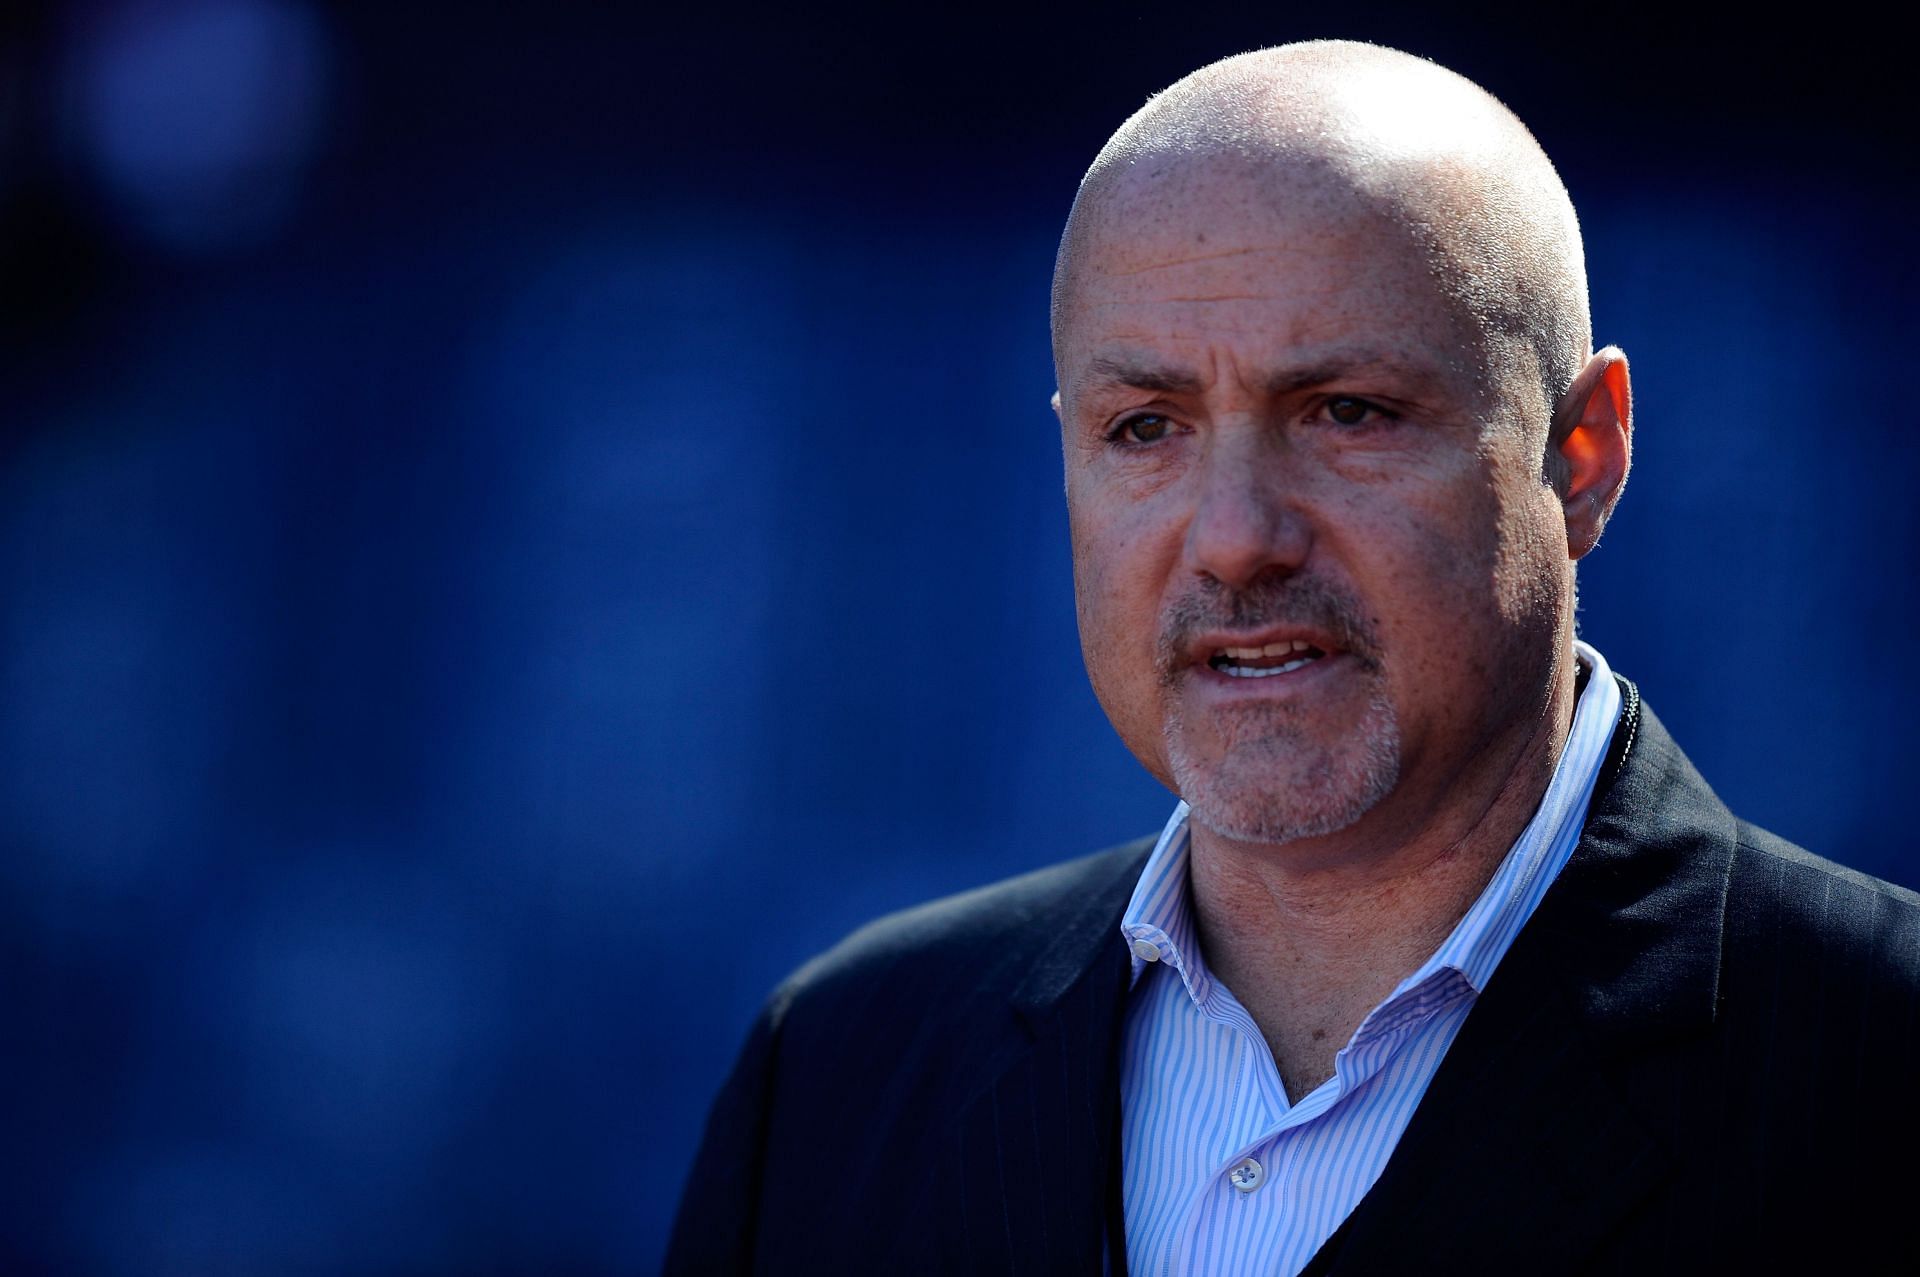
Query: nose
{"points": [[1246, 517]]}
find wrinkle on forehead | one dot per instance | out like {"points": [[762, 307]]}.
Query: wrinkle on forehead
{"points": [[1198, 258], [1266, 252], [1185, 297]]}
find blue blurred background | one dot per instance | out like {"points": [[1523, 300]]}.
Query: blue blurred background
{"points": [[520, 525]]}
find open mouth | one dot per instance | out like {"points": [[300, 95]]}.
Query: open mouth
{"points": [[1265, 662]]}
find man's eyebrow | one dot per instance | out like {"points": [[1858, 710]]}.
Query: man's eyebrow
{"points": [[1142, 376]]}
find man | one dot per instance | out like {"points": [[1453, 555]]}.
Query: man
{"points": [[1447, 958]]}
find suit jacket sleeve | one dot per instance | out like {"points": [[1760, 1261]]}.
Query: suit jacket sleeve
{"points": [[715, 1229], [937, 1093]]}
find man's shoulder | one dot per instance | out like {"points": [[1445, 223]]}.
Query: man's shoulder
{"points": [[1792, 901], [1791, 866], [992, 930], [1780, 903]]}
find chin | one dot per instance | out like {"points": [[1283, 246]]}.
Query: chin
{"points": [[1277, 785]]}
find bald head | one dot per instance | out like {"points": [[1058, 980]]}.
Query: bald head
{"points": [[1338, 133]]}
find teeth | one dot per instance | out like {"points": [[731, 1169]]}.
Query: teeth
{"points": [[1242, 671], [1271, 649]]}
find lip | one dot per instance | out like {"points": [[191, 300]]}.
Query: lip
{"points": [[1217, 688], [1200, 649], [1213, 686]]}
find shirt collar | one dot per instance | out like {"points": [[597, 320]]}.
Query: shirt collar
{"points": [[1158, 924]]}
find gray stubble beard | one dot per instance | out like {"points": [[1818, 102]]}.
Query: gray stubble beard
{"points": [[1273, 784]]}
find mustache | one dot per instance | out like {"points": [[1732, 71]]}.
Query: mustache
{"points": [[1305, 601]]}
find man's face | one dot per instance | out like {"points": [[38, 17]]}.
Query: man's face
{"points": [[1317, 570]]}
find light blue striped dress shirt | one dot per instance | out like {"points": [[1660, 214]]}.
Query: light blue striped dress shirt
{"points": [[1221, 1174]]}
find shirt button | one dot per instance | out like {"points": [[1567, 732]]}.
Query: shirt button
{"points": [[1246, 1176], [1146, 950]]}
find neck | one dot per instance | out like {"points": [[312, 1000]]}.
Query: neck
{"points": [[1311, 938]]}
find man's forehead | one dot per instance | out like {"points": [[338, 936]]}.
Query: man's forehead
{"points": [[1177, 196], [1159, 300], [1205, 227], [1203, 253]]}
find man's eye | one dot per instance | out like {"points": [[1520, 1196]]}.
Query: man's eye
{"points": [[1348, 411], [1145, 427]]}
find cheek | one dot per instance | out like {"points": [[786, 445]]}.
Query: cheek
{"points": [[1420, 544], [1116, 571], [1532, 570], [1435, 578], [1112, 605], [1119, 573]]}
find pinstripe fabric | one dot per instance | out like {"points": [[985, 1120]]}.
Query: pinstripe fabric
{"points": [[1203, 1102]]}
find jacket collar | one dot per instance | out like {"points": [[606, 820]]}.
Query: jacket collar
{"points": [[1084, 949]]}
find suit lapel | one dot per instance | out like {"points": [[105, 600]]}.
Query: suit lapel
{"points": [[1038, 1143], [1540, 1131]]}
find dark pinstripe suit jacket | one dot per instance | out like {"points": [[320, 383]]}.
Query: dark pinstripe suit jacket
{"points": [[1699, 1056]]}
